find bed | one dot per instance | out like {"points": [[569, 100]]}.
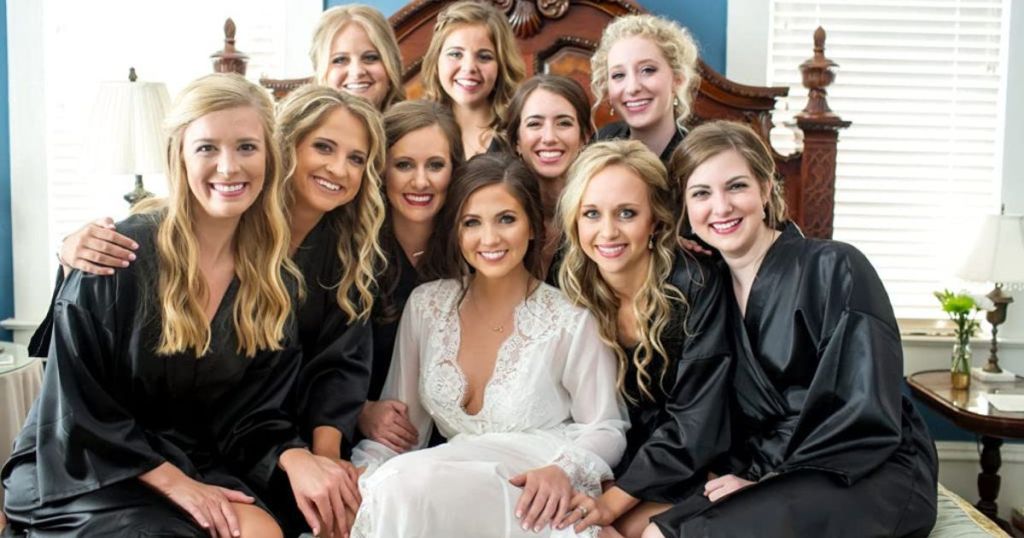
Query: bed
{"points": [[559, 36]]}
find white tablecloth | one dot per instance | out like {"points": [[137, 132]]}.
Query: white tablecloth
{"points": [[19, 386]]}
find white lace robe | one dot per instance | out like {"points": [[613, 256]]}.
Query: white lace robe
{"points": [[551, 400]]}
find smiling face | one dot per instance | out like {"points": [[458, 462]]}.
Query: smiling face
{"points": [[550, 136], [356, 66], [725, 205], [330, 162], [225, 161], [468, 66], [615, 221], [418, 172], [494, 232], [641, 85]]}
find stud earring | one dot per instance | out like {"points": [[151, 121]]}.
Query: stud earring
{"points": [[675, 102]]}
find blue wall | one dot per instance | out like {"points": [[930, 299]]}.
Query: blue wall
{"points": [[6, 267], [706, 19]]}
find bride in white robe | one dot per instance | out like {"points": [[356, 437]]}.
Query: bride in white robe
{"points": [[551, 400]]}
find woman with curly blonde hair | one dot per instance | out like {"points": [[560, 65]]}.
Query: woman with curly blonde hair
{"points": [[660, 310], [355, 50], [474, 66], [201, 324], [646, 66]]}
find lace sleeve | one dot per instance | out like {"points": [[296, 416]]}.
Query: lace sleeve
{"points": [[598, 413], [402, 384]]}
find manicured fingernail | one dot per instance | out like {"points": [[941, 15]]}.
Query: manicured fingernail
{"points": [[131, 256], [536, 529], [124, 263], [519, 514], [135, 245], [525, 528]]}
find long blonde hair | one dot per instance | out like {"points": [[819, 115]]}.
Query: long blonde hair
{"points": [[357, 223], [379, 31], [263, 304], [676, 45], [581, 279], [511, 69]]}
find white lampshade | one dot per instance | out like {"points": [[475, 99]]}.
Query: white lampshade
{"points": [[127, 128], [998, 253]]}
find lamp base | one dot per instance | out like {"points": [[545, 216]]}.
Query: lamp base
{"points": [[1005, 376]]}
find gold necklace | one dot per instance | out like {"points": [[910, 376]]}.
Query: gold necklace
{"points": [[499, 328]]}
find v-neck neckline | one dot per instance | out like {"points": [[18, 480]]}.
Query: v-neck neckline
{"points": [[499, 360]]}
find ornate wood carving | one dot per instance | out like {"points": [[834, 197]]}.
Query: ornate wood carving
{"points": [[525, 15], [281, 87], [559, 36], [228, 59]]}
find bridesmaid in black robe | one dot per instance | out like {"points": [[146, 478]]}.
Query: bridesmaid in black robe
{"points": [[662, 311], [825, 442], [424, 148], [658, 72], [135, 433]]}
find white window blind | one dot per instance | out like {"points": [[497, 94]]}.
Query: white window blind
{"points": [[922, 82], [171, 42]]}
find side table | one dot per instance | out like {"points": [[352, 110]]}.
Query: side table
{"points": [[19, 385], [970, 410]]}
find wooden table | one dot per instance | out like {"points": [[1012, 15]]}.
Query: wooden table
{"points": [[970, 410]]}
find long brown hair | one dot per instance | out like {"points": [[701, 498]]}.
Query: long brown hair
{"points": [[481, 171]]}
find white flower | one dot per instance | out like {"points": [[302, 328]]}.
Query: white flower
{"points": [[982, 302]]}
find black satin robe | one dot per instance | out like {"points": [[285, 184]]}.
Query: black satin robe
{"points": [[821, 425], [673, 439], [337, 355], [112, 409], [619, 130], [385, 328]]}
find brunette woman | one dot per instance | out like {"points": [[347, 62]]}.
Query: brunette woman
{"points": [[821, 420], [507, 368], [547, 124], [424, 148], [165, 390], [473, 66], [661, 311], [646, 66]]}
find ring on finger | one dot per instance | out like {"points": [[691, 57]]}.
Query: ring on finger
{"points": [[583, 510]]}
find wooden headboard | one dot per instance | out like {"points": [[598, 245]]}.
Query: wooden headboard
{"points": [[559, 36]]}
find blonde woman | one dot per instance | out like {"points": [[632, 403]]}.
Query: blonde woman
{"points": [[661, 311], [646, 67], [820, 417], [355, 51], [165, 388], [473, 66]]}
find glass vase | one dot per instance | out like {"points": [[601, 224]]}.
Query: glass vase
{"points": [[960, 368]]}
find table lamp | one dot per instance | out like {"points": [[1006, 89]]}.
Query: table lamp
{"points": [[997, 257], [128, 138]]}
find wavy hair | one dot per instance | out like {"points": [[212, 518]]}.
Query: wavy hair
{"points": [[484, 170], [357, 223], [562, 86], [581, 279], [263, 304], [379, 31], [511, 69], [676, 45], [715, 137]]}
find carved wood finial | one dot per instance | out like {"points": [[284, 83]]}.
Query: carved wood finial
{"points": [[132, 77], [817, 75], [525, 15], [229, 60]]}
